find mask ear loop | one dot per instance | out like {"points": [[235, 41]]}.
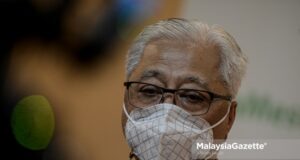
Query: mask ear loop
{"points": [[219, 122], [127, 115], [213, 126]]}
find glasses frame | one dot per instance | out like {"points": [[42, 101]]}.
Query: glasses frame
{"points": [[173, 91]]}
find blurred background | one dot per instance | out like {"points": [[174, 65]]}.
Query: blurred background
{"points": [[268, 32], [72, 52]]}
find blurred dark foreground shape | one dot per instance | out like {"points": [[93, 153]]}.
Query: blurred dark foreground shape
{"points": [[49, 51], [84, 32]]}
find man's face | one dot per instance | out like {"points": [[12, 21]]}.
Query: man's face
{"points": [[175, 66]]}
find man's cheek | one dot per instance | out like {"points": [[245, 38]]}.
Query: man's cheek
{"points": [[220, 131]]}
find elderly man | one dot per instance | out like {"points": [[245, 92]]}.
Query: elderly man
{"points": [[181, 85]]}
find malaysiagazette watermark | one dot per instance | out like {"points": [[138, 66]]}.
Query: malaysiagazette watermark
{"points": [[231, 146]]}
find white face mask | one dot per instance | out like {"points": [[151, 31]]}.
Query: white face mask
{"points": [[165, 131]]}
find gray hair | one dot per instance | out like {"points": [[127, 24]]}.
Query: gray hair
{"points": [[233, 61]]}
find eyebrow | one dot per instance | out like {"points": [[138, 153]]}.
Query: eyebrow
{"points": [[197, 80], [152, 73]]}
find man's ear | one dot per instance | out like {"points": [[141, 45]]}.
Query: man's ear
{"points": [[232, 114]]}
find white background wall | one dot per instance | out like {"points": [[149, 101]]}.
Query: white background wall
{"points": [[268, 32]]}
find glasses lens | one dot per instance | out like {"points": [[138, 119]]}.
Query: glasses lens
{"points": [[144, 95], [195, 102]]}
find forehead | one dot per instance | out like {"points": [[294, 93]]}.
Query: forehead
{"points": [[176, 63]]}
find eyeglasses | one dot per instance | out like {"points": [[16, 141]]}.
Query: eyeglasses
{"points": [[197, 102]]}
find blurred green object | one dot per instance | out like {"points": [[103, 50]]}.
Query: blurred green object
{"points": [[33, 122]]}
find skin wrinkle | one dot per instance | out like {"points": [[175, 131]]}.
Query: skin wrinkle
{"points": [[167, 61], [173, 47]]}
